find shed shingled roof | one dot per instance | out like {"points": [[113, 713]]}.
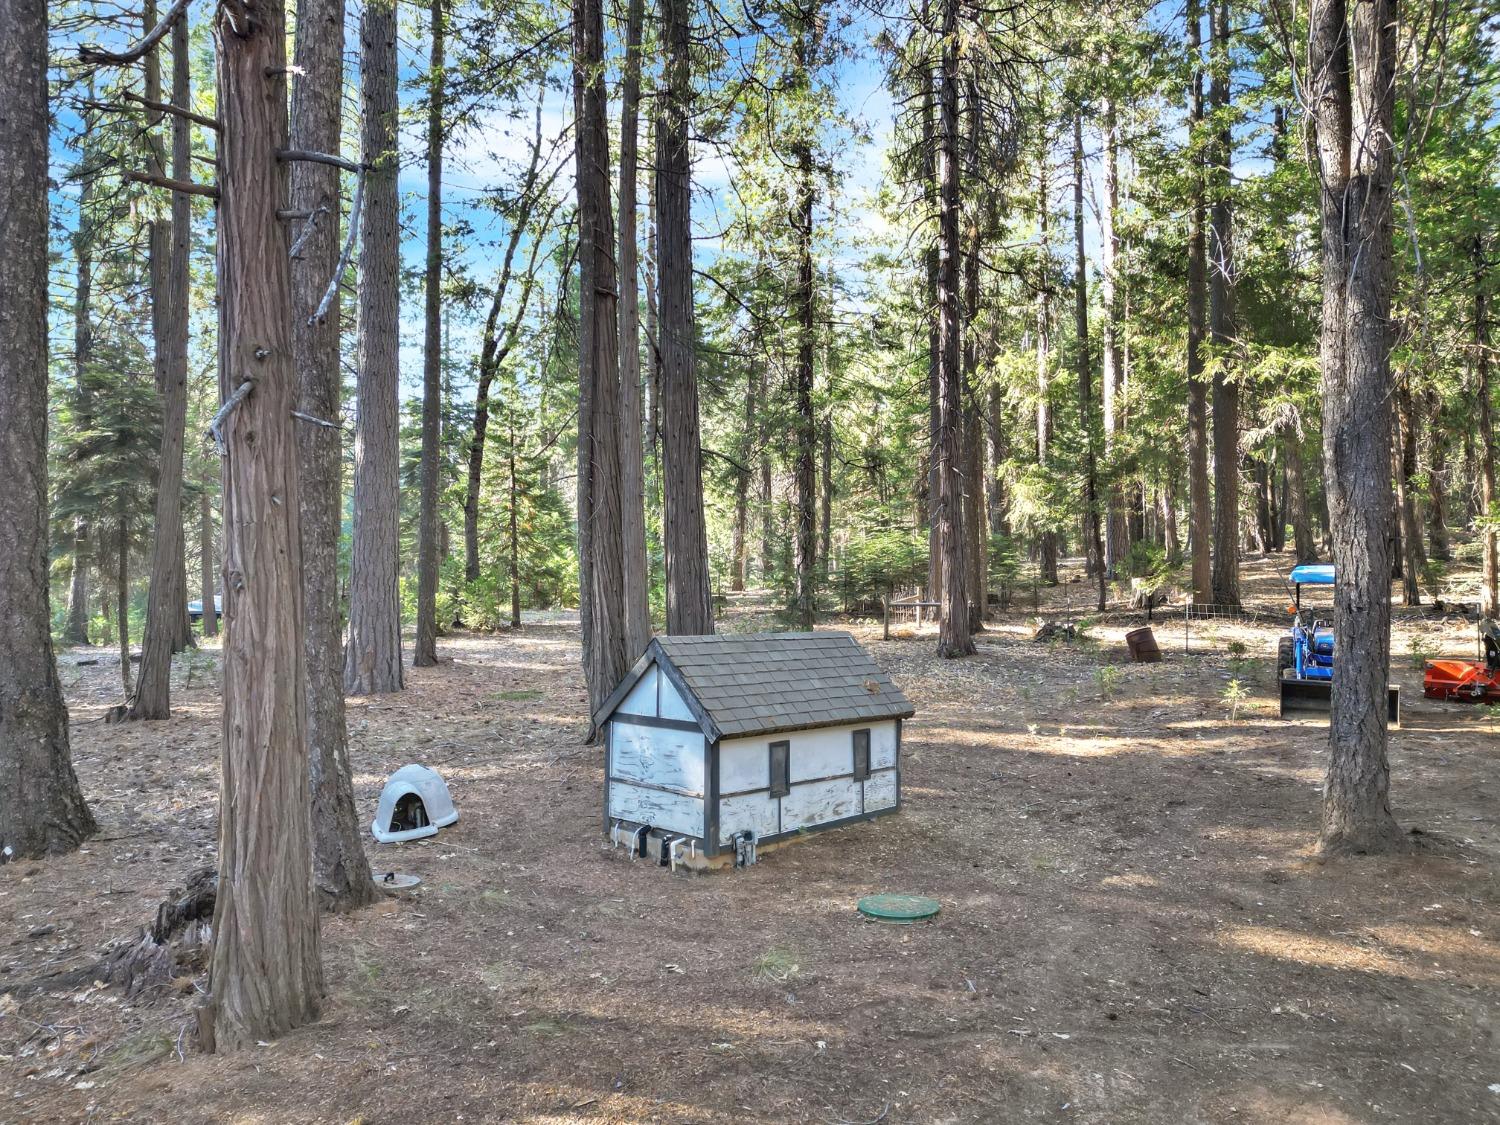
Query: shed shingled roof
{"points": [[763, 683]]}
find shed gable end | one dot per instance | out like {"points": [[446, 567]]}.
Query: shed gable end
{"points": [[641, 699]]}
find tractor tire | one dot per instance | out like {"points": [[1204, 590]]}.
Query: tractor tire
{"points": [[1285, 659]]}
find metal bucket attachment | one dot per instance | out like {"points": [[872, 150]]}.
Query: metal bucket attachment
{"points": [[1305, 697], [1315, 697]]}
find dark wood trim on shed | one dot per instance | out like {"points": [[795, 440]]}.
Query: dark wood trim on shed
{"points": [[653, 721]]}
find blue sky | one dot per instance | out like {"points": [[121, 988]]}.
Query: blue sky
{"points": [[493, 154]]}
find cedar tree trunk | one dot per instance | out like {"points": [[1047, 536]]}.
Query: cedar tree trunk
{"points": [[954, 637], [689, 600], [372, 657], [265, 975], [341, 872], [632, 455], [601, 566], [166, 599]]}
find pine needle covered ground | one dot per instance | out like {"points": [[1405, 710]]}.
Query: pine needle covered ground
{"points": [[1133, 926]]}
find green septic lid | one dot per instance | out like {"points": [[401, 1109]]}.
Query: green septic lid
{"points": [[901, 909]]}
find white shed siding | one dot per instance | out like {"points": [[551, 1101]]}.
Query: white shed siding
{"points": [[672, 759], [882, 746], [755, 812], [828, 752], [818, 802], [642, 697], [660, 809], [823, 789], [880, 790], [672, 705], [744, 763]]}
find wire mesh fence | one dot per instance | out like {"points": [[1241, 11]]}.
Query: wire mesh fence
{"points": [[1203, 621]]}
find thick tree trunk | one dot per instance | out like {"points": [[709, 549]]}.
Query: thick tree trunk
{"points": [[372, 657], [42, 811], [954, 637], [601, 569], [1226, 394], [632, 465], [166, 599], [1355, 171], [1047, 548], [1200, 503], [266, 976], [689, 599], [206, 564], [424, 651], [1489, 535], [341, 872], [1094, 546]]}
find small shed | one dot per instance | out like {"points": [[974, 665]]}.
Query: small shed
{"points": [[717, 740]]}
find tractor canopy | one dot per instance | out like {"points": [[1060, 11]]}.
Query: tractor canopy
{"points": [[1313, 574]]}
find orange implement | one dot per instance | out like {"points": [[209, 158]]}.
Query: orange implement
{"points": [[1461, 681]]}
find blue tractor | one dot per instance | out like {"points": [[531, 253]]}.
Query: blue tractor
{"points": [[1304, 657]]}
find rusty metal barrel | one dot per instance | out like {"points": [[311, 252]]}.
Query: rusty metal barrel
{"points": [[1142, 646]]}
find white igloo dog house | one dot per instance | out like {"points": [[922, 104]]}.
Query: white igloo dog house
{"points": [[414, 803]]}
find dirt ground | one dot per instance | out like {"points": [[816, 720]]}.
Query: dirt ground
{"points": [[1133, 927]]}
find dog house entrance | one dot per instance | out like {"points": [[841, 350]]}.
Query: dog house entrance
{"points": [[409, 814]]}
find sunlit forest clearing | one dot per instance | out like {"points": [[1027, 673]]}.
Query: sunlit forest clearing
{"points": [[1133, 928], [1038, 461]]}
